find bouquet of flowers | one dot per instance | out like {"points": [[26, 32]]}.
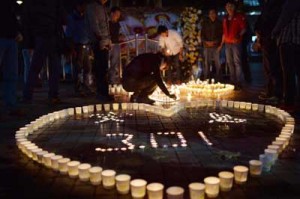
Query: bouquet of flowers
{"points": [[190, 20]]}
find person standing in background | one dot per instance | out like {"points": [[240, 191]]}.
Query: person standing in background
{"points": [[114, 26], [211, 37], [43, 20], [287, 32], [234, 28], [98, 26], [171, 44], [77, 33], [9, 37], [270, 54]]}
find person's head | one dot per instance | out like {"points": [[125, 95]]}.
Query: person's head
{"points": [[162, 31], [212, 14], [115, 13], [80, 5], [230, 7]]}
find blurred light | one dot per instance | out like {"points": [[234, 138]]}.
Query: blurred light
{"points": [[19, 2]]}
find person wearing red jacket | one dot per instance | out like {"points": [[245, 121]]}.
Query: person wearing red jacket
{"points": [[234, 28]]}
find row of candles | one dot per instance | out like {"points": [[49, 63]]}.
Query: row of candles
{"points": [[96, 175], [224, 118]]}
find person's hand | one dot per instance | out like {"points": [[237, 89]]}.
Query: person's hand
{"points": [[19, 37], [173, 96]]}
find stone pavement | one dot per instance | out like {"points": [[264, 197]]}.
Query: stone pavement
{"points": [[20, 177]]}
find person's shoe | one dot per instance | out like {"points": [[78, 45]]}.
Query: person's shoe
{"points": [[105, 98], [145, 100]]}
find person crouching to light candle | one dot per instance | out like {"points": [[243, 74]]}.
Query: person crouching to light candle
{"points": [[142, 76]]}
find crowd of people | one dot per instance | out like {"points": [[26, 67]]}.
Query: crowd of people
{"points": [[90, 28]]}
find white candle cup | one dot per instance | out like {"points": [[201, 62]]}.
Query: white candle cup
{"points": [[91, 108], [175, 192], [107, 107], [212, 186], [108, 179], [285, 140], [63, 165], [230, 104], [135, 106], [85, 109], [271, 154], [275, 148], [123, 183], [226, 180], [280, 144], [138, 188], [29, 150], [73, 168], [242, 105], [240, 174], [35, 152], [47, 159], [255, 107], [224, 103], [83, 172], [98, 107], [115, 106], [54, 162], [40, 156], [236, 105], [266, 164], [71, 111], [95, 175], [197, 190], [124, 106], [255, 167], [155, 191], [78, 110]]}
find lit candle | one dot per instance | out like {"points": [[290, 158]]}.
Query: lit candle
{"points": [[226, 180], [123, 183], [255, 167], [240, 174], [138, 188], [155, 191], [73, 168], [212, 186], [83, 172], [197, 190], [108, 179], [54, 162], [175, 192], [95, 175]]}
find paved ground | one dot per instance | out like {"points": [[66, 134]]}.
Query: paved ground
{"points": [[20, 177]]}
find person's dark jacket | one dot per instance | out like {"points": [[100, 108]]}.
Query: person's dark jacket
{"points": [[212, 31], [42, 18], [289, 9], [146, 65], [8, 21], [265, 23]]}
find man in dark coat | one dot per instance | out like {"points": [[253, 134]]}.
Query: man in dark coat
{"points": [[142, 76], [43, 21]]}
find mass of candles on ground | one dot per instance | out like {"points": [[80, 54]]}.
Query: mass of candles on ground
{"points": [[180, 137], [206, 88], [106, 117], [160, 97], [224, 118], [126, 142], [139, 187]]}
